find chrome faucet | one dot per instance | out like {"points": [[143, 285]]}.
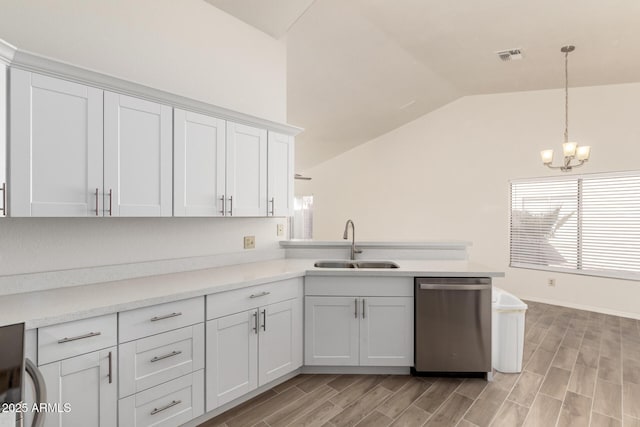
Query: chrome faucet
{"points": [[345, 236]]}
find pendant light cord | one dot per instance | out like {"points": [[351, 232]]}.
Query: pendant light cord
{"points": [[566, 96]]}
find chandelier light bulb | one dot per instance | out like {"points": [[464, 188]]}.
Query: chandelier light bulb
{"points": [[547, 156], [569, 149]]}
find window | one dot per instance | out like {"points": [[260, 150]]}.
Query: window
{"points": [[301, 225], [585, 224]]}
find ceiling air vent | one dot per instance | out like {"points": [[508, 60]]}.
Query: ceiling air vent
{"points": [[510, 55]]}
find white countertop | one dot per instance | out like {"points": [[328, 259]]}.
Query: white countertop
{"points": [[49, 307]]}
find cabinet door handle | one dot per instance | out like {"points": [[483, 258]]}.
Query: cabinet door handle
{"points": [[363, 308], [110, 368], [165, 407], [166, 356], [255, 322], [224, 203], [231, 205], [79, 337], [4, 198], [273, 206], [261, 294], [110, 202], [355, 304], [264, 319], [97, 206], [166, 316]]}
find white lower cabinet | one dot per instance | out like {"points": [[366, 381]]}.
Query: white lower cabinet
{"points": [[248, 349], [386, 331], [352, 331], [331, 331], [162, 364], [280, 349], [169, 404], [232, 357], [87, 385], [150, 361]]}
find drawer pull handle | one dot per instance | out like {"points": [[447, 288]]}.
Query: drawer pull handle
{"points": [[79, 337], [261, 294], [166, 316], [110, 368], [255, 322], [165, 407], [165, 356]]}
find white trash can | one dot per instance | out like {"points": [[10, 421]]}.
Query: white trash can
{"points": [[507, 331]]}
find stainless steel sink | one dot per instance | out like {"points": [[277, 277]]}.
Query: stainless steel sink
{"points": [[355, 264], [376, 264], [334, 264]]}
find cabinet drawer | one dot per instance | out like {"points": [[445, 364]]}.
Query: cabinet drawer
{"points": [[70, 339], [226, 303], [147, 362], [170, 404], [156, 319]]}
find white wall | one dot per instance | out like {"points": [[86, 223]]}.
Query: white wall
{"points": [[445, 176], [187, 47], [29, 245]]}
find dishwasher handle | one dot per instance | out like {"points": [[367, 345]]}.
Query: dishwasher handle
{"points": [[429, 287]]}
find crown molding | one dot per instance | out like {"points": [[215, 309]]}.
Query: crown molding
{"points": [[29, 61], [7, 51]]}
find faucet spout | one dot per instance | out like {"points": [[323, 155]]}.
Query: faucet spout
{"points": [[345, 236]]}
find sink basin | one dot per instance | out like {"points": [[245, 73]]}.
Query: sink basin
{"points": [[376, 264], [355, 264], [334, 264]]}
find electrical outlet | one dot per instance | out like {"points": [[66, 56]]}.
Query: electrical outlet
{"points": [[249, 242], [280, 231], [551, 282]]}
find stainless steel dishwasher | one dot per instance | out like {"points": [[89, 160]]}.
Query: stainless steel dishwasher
{"points": [[452, 325]]}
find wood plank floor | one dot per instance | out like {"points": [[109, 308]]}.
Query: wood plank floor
{"points": [[581, 369]]}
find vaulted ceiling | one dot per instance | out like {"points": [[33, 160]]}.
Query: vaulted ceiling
{"points": [[360, 68]]}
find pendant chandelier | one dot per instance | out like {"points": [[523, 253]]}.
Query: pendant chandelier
{"points": [[574, 154]]}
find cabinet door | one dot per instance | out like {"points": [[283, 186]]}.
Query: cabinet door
{"points": [[280, 172], [279, 342], [138, 158], [386, 331], [198, 164], [88, 384], [246, 170], [331, 331], [55, 148], [232, 357]]}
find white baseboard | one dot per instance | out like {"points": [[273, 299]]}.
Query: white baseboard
{"points": [[361, 370], [582, 307]]}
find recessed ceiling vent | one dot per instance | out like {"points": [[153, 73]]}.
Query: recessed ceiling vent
{"points": [[510, 55]]}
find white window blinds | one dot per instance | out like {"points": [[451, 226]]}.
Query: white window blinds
{"points": [[588, 224]]}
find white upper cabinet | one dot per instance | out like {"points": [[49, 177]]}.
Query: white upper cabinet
{"points": [[138, 157], [246, 186], [199, 164], [79, 151], [55, 147], [280, 175]]}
